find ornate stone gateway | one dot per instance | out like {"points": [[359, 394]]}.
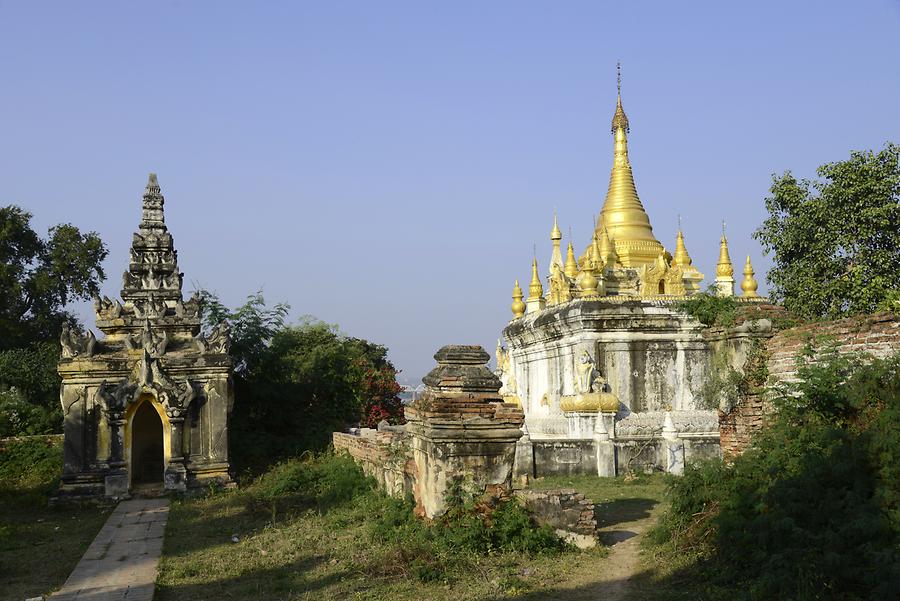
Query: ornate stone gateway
{"points": [[146, 405]]}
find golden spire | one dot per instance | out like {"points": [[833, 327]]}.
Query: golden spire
{"points": [[535, 290], [682, 258], [623, 214], [749, 285], [571, 265], [607, 249], [587, 281], [518, 307], [724, 267], [556, 236]]}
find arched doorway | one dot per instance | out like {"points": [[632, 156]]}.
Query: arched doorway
{"points": [[147, 445]]}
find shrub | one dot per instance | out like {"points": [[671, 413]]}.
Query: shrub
{"points": [[812, 509], [466, 529], [29, 471], [709, 309]]}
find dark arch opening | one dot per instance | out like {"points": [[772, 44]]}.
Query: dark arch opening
{"points": [[147, 462], [662, 287]]}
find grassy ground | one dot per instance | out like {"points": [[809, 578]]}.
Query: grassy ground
{"points": [[39, 546], [329, 552]]}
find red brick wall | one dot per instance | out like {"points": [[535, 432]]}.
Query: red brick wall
{"points": [[878, 335]]}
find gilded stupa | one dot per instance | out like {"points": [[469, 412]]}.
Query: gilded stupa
{"points": [[623, 217], [603, 358], [623, 257]]}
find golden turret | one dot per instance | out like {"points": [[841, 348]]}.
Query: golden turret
{"points": [[535, 290], [571, 265], [623, 214], [749, 285], [724, 269], [691, 276], [607, 249], [555, 237], [682, 258], [724, 266], [518, 307], [587, 281], [535, 301]]}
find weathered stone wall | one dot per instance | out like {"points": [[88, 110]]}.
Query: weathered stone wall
{"points": [[738, 425], [383, 455], [878, 335], [567, 511]]}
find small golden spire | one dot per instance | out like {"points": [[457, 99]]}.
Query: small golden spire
{"points": [[555, 236], [682, 258], [587, 281], [724, 267], [749, 285], [571, 265], [535, 289], [607, 249], [518, 307]]}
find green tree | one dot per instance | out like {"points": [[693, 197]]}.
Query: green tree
{"points": [[38, 277], [295, 385], [836, 241]]}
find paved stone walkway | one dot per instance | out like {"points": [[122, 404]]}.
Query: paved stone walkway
{"points": [[120, 565]]}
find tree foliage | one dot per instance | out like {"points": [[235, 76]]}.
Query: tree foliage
{"points": [[38, 277], [812, 509], [835, 241], [297, 384]]}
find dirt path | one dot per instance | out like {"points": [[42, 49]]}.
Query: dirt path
{"points": [[611, 578]]}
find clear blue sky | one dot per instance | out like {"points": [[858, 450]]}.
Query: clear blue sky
{"points": [[387, 166]]}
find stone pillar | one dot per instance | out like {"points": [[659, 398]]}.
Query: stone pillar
{"points": [[116, 482], [523, 466], [673, 447], [604, 448], [176, 474], [462, 434]]}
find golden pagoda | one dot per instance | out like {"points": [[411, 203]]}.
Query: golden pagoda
{"points": [[749, 285], [724, 269], [623, 216]]}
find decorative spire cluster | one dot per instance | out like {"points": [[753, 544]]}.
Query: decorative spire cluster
{"points": [[153, 269], [623, 257]]}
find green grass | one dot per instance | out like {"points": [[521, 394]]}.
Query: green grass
{"points": [[39, 546], [303, 542]]}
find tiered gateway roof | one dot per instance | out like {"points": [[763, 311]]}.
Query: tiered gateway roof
{"points": [[623, 257]]}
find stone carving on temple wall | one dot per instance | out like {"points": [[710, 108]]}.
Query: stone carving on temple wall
{"points": [[75, 343], [591, 389], [218, 340]]}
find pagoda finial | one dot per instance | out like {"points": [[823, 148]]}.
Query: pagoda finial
{"points": [[682, 258], [535, 301], [556, 237], [152, 213], [619, 77], [535, 289], [518, 307], [620, 120], [724, 268], [571, 269], [749, 285]]}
